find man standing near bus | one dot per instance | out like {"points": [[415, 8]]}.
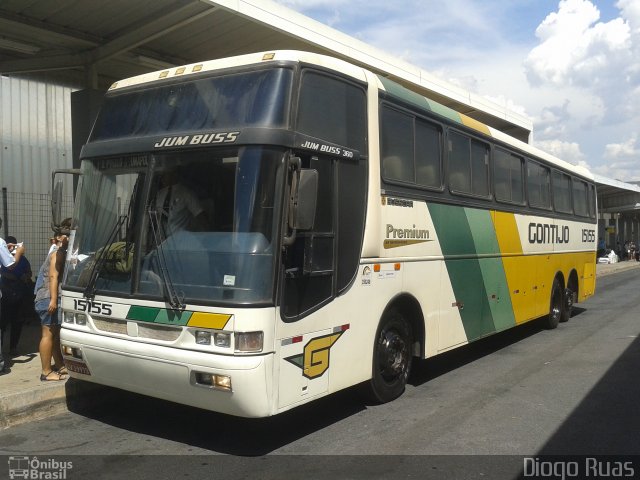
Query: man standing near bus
{"points": [[8, 260]]}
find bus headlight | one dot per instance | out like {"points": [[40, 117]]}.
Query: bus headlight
{"points": [[74, 317], [249, 341], [222, 340], [203, 337]]}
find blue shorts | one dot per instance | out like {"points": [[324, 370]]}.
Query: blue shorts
{"points": [[42, 307]]}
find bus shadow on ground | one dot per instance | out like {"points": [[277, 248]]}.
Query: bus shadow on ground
{"points": [[607, 420], [226, 434], [215, 432], [431, 368]]}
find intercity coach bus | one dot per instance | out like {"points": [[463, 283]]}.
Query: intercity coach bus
{"points": [[333, 226]]}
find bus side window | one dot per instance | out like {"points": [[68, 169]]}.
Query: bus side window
{"points": [[538, 185], [507, 175], [397, 145]]}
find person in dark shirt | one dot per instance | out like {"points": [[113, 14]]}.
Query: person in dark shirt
{"points": [[17, 298], [8, 260]]}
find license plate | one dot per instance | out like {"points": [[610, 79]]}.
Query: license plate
{"points": [[77, 367]]}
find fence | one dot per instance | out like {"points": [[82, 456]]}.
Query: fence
{"points": [[27, 216]]}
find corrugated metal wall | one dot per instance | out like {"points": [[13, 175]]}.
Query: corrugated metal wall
{"points": [[35, 139], [35, 133]]}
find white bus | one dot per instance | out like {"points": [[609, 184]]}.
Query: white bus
{"points": [[330, 226]]}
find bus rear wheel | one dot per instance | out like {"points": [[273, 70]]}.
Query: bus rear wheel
{"points": [[556, 306], [391, 358], [568, 305]]}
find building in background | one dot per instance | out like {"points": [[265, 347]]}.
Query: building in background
{"points": [[35, 139]]}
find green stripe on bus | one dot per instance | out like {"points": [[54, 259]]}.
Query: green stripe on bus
{"points": [[413, 98], [158, 315], [493, 273], [445, 111], [142, 314], [478, 284], [173, 317]]}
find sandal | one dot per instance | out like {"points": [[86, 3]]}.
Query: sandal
{"points": [[62, 370], [57, 377]]}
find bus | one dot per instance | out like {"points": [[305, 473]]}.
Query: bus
{"points": [[330, 226]]}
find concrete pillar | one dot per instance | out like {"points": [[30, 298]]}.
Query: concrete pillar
{"points": [[612, 237], [602, 228]]}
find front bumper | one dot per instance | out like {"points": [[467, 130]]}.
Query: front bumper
{"points": [[169, 373]]}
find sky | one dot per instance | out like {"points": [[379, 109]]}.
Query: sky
{"points": [[571, 66]]}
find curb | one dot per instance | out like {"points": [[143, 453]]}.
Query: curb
{"points": [[37, 404], [620, 267]]}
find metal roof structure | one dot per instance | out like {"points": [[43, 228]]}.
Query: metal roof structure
{"points": [[92, 43], [615, 196]]}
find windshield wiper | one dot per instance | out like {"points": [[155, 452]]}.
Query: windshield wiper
{"points": [[175, 300], [101, 258]]}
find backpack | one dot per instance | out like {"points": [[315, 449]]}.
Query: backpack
{"points": [[118, 257]]}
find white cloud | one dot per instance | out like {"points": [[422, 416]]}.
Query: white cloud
{"points": [[568, 151], [622, 160], [577, 77], [628, 149], [577, 49]]}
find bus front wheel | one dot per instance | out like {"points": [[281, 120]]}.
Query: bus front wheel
{"points": [[391, 358]]}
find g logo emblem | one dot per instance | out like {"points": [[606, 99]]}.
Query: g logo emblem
{"points": [[314, 360]]}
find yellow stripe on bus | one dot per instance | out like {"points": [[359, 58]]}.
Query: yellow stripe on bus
{"points": [[476, 125], [209, 320], [519, 269]]}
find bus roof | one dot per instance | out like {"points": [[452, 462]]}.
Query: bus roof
{"points": [[242, 60], [357, 73]]}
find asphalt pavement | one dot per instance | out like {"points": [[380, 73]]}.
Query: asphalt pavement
{"points": [[24, 398]]}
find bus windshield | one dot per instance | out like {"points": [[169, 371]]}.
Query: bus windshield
{"points": [[200, 224], [246, 99]]}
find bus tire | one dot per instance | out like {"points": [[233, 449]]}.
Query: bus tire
{"points": [[567, 306], [391, 358], [569, 299], [556, 306]]}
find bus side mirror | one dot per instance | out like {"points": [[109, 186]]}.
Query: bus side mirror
{"points": [[302, 202], [303, 206], [56, 195]]}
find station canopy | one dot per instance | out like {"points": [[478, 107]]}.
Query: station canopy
{"points": [[93, 43]]}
